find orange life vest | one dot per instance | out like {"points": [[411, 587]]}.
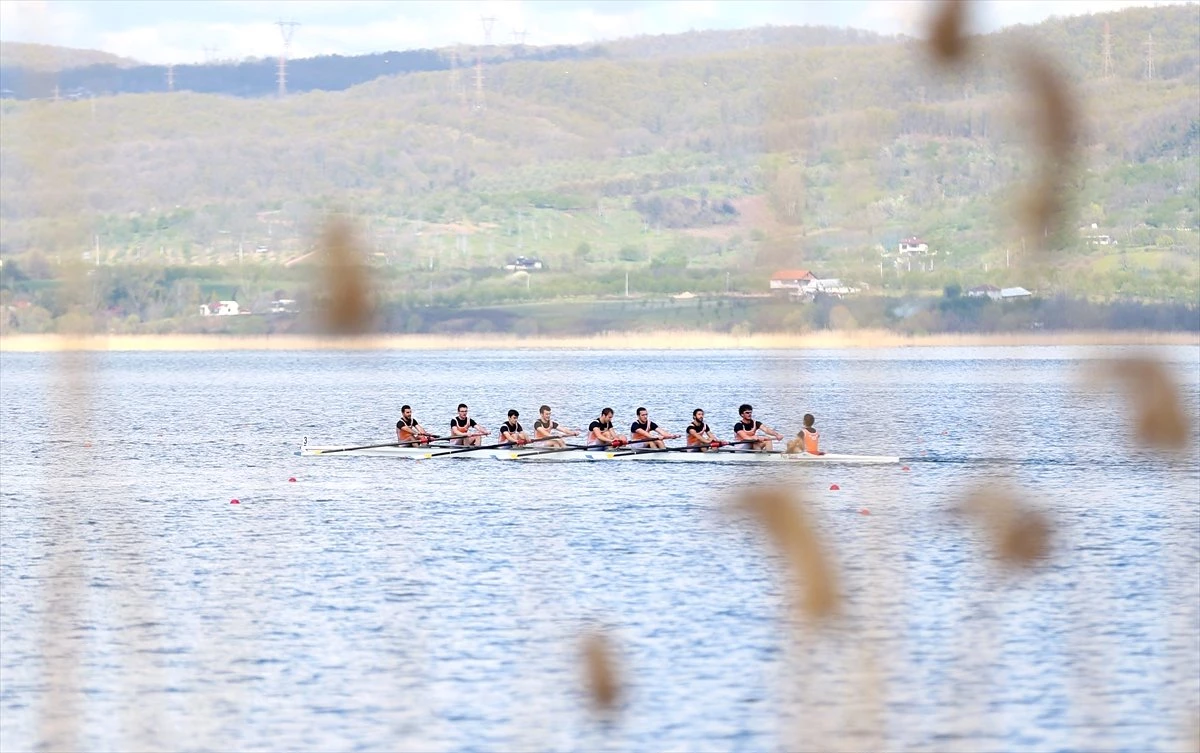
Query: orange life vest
{"points": [[811, 438]]}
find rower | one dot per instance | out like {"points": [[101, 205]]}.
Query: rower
{"points": [[645, 429], [807, 439], [511, 431], [547, 432], [699, 436], [746, 430], [408, 431], [464, 429], [601, 432]]}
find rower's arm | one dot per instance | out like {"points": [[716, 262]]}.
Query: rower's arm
{"points": [[768, 430]]}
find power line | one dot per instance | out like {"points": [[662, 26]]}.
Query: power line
{"points": [[286, 29]]}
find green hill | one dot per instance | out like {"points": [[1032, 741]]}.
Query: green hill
{"points": [[702, 161]]}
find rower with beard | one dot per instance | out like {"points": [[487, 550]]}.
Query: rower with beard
{"points": [[699, 436], [464, 429], [547, 432], [601, 433], [646, 433], [746, 430], [511, 431], [408, 431]]}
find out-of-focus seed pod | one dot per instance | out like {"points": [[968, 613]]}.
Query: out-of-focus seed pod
{"points": [[947, 32], [1055, 123], [786, 522], [349, 305], [1160, 419], [1020, 535], [600, 671]]}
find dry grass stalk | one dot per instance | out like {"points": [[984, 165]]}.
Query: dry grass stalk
{"points": [[797, 540], [947, 32], [1020, 535], [600, 671], [349, 309], [1160, 418]]}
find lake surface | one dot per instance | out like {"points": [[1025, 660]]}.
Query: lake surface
{"points": [[385, 604]]}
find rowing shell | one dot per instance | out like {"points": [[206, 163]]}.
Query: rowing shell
{"points": [[541, 455]]}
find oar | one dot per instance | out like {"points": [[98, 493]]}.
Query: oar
{"points": [[469, 448], [373, 446], [551, 450], [458, 436]]}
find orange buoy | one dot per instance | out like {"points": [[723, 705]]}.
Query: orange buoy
{"points": [[292, 480], [864, 511], [834, 488], [234, 502], [905, 468], [87, 444]]}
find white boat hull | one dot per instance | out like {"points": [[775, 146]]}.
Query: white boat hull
{"points": [[536, 455]]}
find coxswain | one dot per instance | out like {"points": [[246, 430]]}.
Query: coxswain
{"points": [[547, 432], [699, 436], [746, 431], [408, 431], [464, 429], [511, 431], [646, 433], [601, 432], [807, 439]]}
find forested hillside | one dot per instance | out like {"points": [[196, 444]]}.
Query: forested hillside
{"points": [[701, 161]]}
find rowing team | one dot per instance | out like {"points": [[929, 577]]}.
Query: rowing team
{"points": [[601, 434]]}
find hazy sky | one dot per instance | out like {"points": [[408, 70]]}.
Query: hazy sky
{"points": [[179, 31]]}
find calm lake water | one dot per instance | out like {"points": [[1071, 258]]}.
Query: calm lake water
{"points": [[384, 604]]}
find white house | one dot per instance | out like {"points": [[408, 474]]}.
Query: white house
{"points": [[831, 286], [223, 308], [913, 246], [524, 264], [1010, 293], [284, 306], [984, 291]]}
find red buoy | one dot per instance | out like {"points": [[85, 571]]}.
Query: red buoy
{"points": [[292, 480], [234, 502], [864, 511], [834, 488], [905, 468]]}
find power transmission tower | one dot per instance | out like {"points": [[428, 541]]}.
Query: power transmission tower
{"points": [[1106, 53], [488, 22], [170, 77], [286, 29], [210, 53], [519, 37], [1150, 56]]}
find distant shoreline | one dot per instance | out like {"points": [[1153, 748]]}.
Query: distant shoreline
{"points": [[664, 340]]}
